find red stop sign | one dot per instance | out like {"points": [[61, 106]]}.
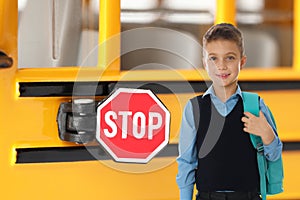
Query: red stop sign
{"points": [[133, 125]]}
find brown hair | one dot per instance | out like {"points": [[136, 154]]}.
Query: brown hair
{"points": [[225, 31]]}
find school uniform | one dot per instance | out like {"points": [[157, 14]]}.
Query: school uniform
{"points": [[219, 157]]}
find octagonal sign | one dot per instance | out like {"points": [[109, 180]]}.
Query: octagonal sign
{"points": [[133, 125]]}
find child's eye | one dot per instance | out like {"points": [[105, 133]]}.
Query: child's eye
{"points": [[212, 58], [230, 58]]}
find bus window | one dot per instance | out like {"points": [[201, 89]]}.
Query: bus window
{"points": [[267, 26], [54, 33], [268, 30], [183, 23]]}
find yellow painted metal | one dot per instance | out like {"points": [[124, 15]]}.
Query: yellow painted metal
{"points": [[8, 37], [31, 122], [225, 11], [109, 36], [287, 125], [40, 131], [91, 74], [296, 28]]}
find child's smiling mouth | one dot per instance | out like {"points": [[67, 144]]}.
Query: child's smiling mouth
{"points": [[223, 76]]}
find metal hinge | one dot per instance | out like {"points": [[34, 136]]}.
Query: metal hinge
{"points": [[77, 121]]}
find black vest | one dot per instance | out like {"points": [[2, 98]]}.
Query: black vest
{"points": [[227, 159]]}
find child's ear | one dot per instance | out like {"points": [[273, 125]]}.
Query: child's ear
{"points": [[243, 62]]}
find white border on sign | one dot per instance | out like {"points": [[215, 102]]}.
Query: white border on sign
{"points": [[167, 125]]}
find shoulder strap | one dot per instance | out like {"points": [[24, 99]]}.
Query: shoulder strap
{"points": [[251, 104], [196, 113]]}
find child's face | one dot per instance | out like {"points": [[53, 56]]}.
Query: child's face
{"points": [[223, 62]]}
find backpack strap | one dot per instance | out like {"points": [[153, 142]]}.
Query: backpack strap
{"points": [[251, 104]]}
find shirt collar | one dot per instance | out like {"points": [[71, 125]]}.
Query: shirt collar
{"points": [[210, 91]]}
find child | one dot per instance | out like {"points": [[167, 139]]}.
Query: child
{"points": [[219, 157]]}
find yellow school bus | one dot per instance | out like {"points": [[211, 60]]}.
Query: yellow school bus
{"points": [[56, 51]]}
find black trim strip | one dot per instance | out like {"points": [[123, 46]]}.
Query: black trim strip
{"points": [[82, 153], [291, 146], [73, 154], [52, 89], [59, 154]]}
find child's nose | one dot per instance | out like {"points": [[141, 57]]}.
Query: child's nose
{"points": [[221, 65]]}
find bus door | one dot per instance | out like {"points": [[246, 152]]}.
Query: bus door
{"points": [[48, 57]]}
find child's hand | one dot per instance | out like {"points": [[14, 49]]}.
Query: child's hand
{"points": [[258, 126]]}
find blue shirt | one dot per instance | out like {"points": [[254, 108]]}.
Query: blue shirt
{"points": [[188, 160]]}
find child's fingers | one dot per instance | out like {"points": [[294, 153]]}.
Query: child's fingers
{"points": [[248, 114], [244, 119]]}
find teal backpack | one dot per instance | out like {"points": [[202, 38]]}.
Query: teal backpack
{"points": [[271, 172]]}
